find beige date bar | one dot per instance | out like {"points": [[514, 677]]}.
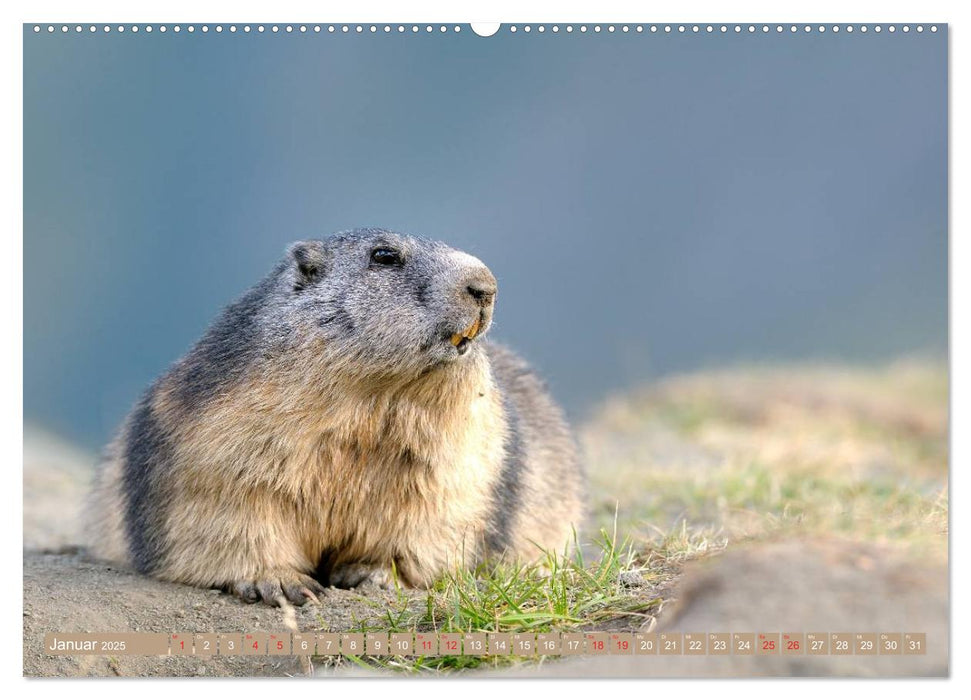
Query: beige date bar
{"points": [[133, 643]]}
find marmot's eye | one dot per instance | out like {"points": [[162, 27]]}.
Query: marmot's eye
{"points": [[386, 256]]}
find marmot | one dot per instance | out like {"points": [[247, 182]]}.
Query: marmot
{"points": [[341, 418]]}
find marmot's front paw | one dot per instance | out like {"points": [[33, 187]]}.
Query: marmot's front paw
{"points": [[354, 574], [296, 587]]}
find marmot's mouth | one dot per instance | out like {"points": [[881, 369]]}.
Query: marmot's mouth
{"points": [[468, 334], [462, 340]]}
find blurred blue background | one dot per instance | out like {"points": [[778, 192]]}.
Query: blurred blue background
{"points": [[649, 203]]}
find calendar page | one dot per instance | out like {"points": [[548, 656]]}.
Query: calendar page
{"points": [[529, 349]]}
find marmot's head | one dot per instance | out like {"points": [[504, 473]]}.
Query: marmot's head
{"points": [[385, 303]]}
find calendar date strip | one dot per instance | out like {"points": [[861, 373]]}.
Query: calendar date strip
{"points": [[489, 644]]}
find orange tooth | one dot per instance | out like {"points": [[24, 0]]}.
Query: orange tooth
{"points": [[469, 333]]}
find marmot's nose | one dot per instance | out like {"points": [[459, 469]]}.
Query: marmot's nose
{"points": [[481, 287]]}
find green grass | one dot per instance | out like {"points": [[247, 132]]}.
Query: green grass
{"points": [[853, 452], [744, 499], [563, 593]]}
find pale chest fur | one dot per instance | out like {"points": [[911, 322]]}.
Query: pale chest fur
{"points": [[426, 502], [405, 475]]}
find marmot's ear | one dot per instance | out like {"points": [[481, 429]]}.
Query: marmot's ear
{"points": [[309, 261]]}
